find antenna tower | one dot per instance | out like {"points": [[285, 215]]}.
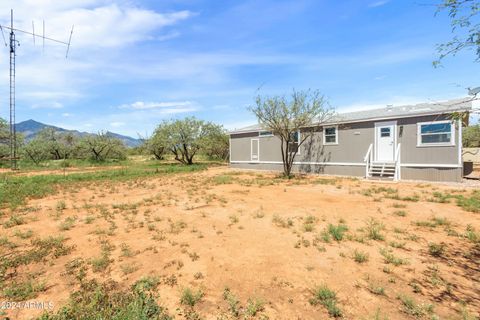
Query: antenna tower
{"points": [[12, 45]]}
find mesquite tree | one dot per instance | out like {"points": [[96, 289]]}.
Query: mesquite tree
{"points": [[102, 146], [4, 139], [465, 22], [292, 120], [187, 137]]}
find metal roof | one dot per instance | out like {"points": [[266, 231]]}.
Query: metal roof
{"points": [[389, 112]]}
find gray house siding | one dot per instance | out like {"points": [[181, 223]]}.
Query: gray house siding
{"points": [[436, 163], [437, 155]]}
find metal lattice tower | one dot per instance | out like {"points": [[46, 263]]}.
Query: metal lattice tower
{"points": [[13, 44], [13, 133]]}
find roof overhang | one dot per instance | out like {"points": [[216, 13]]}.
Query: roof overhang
{"points": [[330, 123]]}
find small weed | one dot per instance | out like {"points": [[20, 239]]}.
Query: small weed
{"points": [[400, 213], [436, 249], [232, 301], [126, 250], [373, 230], [328, 298], [471, 203], [390, 258], [21, 291], [128, 268], [233, 219], [67, 224], [397, 244], [15, 220], [360, 256], [190, 297], [61, 205], [337, 232], [411, 307], [253, 307], [280, 222], [23, 234]]}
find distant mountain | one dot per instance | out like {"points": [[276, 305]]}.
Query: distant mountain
{"points": [[31, 128]]}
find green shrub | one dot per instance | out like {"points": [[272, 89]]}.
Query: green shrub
{"points": [[94, 301], [436, 249], [411, 307], [253, 307], [337, 232], [328, 298], [373, 229], [390, 258], [190, 297], [360, 256], [471, 203], [232, 301], [21, 291]]}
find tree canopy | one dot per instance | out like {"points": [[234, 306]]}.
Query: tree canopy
{"points": [[291, 119], [465, 23], [4, 139], [188, 137], [55, 145], [471, 136]]}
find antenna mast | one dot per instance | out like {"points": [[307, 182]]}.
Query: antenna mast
{"points": [[13, 47], [13, 138]]}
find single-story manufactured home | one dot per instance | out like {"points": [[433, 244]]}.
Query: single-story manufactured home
{"points": [[415, 142]]}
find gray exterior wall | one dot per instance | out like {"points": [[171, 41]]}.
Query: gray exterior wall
{"points": [[407, 173], [347, 157]]}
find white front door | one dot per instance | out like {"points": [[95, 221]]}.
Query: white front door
{"points": [[385, 137], [255, 150]]}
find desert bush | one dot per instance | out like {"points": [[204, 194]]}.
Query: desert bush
{"points": [[360, 256], [436, 249], [328, 298], [337, 232], [93, 301], [373, 229], [190, 297], [391, 258]]}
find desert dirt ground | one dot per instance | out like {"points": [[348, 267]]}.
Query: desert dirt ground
{"points": [[409, 252]]}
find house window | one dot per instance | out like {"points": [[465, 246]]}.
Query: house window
{"points": [[438, 133], [294, 141], [330, 135], [265, 134], [385, 132]]}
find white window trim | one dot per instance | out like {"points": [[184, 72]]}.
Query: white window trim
{"points": [[442, 144], [299, 139], [325, 143], [265, 135], [258, 150]]}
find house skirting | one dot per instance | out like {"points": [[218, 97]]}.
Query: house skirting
{"points": [[421, 172]]}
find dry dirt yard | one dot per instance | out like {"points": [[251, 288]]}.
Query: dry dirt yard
{"points": [[226, 244]]}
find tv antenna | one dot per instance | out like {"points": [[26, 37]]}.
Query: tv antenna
{"points": [[12, 45]]}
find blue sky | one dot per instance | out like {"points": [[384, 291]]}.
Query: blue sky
{"points": [[134, 63]]}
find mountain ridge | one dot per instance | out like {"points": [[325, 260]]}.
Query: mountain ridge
{"points": [[30, 128]]}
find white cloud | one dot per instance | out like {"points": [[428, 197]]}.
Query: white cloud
{"points": [[66, 114], [117, 124], [98, 23], [141, 105], [51, 94], [168, 36], [163, 108], [378, 3], [47, 105]]}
